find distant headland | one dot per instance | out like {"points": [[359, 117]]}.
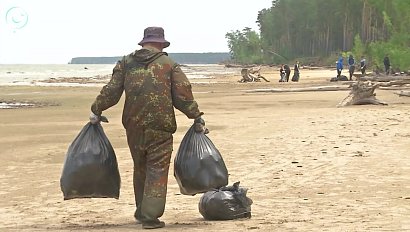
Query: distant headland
{"points": [[181, 58]]}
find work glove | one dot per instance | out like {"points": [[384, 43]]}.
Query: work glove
{"points": [[199, 125], [94, 119]]}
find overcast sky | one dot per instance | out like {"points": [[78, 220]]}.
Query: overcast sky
{"points": [[54, 31]]}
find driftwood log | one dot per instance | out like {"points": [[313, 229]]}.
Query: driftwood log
{"points": [[403, 93], [362, 93], [252, 75], [384, 78], [305, 89]]}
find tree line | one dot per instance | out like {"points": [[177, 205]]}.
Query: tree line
{"points": [[318, 30]]}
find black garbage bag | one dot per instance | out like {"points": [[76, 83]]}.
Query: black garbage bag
{"points": [[339, 78], [226, 203], [90, 168], [198, 165], [295, 77]]}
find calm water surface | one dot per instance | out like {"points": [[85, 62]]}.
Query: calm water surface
{"points": [[24, 74]]}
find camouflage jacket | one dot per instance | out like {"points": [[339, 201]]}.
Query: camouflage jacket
{"points": [[153, 84]]}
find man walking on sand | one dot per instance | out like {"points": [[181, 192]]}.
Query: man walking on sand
{"points": [[153, 84]]}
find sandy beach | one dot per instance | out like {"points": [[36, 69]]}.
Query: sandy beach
{"points": [[308, 164]]}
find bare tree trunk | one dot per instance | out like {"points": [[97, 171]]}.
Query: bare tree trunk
{"points": [[371, 27], [327, 39], [345, 31], [364, 22]]}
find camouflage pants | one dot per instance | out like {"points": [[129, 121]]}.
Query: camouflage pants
{"points": [[151, 152]]}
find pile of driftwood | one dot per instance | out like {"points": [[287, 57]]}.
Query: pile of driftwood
{"points": [[362, 91], [252, 75], [395, 83]]}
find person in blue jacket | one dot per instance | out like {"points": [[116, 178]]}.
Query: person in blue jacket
{"points": [[339, 66]]}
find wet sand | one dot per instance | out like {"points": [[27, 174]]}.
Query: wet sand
{"points": [[308, 165]]}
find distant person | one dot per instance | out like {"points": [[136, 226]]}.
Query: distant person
{"points": [[153, 84], [287, 72], [386, 62], [351, 63], [363, 65], [296, 72], [339, 66], [282, 74]]}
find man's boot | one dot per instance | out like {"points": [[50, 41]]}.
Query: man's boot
{"points": [[138, 217], [153, 224], [151, 209]]}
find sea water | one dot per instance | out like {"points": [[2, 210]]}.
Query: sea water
{"points": [[37, 74], [28, 74]]}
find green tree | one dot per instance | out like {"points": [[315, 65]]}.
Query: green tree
{"points": [[292, 29], [359, 48], [244, 46]]}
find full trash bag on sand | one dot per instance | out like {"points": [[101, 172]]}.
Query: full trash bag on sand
{"points": [[226, 203], [90, 167], [198, 165]]}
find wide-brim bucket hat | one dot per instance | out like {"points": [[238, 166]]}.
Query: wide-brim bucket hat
{"points": [[156, 35]]}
